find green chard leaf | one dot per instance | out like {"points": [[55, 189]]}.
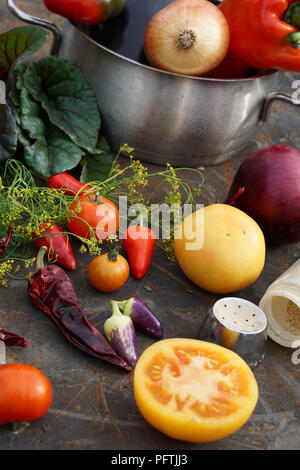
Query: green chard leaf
{"points": [[14, 90], [19, 43], [51, 151], [8, 133], [97, 167], [64, 94]]}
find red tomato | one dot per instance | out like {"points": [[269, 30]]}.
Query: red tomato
{"points": [[108, 272], [25, 393], [96, 213]]}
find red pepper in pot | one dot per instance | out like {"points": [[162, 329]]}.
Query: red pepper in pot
{"points": [[264, 33], [86, 11], [51, 290]]}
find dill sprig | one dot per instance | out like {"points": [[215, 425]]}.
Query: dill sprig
{"points": [[167, 188], [27, 206]]}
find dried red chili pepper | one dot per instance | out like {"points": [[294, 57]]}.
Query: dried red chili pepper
{"points": [[5, 241], [51, 290], [12, 339], [57, 244]]}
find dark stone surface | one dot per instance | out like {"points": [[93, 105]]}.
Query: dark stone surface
{"points": [[93, 406]]}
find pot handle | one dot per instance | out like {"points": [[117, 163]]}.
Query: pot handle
{"points": [[290, 99], [37, 21]]}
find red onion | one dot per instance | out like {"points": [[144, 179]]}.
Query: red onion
{"points": [[267, 188]]}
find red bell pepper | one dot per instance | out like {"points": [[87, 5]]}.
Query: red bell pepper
{"points": [[264, 33], [86, 11], [58, 247], [67, 183], [139, 243], [229, 69]]}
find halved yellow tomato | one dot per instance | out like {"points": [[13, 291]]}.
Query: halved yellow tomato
{"points": [[194, 391]]}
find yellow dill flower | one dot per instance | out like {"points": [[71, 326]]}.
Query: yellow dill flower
{"points": [[126, 148]]}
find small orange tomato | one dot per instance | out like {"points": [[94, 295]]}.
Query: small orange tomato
{"points": [[108, 272], [193, 390]]}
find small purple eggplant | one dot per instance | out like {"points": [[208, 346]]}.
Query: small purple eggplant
{"points": [[120, 332], [142, 316]]}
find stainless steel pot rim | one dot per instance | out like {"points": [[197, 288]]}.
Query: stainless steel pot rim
{"points": [[177, 75]]}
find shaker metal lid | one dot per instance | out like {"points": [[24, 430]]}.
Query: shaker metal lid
{"points": [[240, 315]]}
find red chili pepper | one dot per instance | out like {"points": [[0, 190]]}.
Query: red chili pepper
{"points": [[67, 183], [264, 33], [12, 339], [86, 11], [5, 241], [58, 246], [139, 243], [51, 290]]}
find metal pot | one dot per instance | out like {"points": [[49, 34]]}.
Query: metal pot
{"points": [[166, 117]]}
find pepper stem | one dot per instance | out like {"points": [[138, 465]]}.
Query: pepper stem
{"points": [[294, 39], [40, 257], [115, 308], [121, 304]]}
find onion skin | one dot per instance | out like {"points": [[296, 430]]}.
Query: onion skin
{"points": [[267, 188], [189, 37]]}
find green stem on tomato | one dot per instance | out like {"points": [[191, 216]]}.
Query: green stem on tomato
{"points": [[113, 254]]}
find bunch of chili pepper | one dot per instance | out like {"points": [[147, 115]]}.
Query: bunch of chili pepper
{"points": [[264, 34], [51, 291]]}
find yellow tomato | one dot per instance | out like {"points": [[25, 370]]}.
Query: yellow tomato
{"points": [[193, 390], [220, 248]]}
